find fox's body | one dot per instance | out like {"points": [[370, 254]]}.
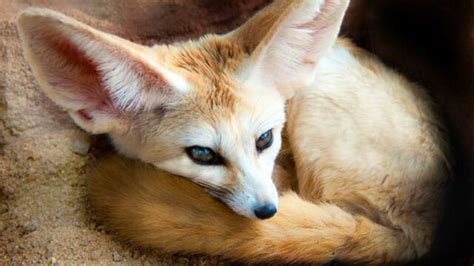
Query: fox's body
{"points": [[370, 161]]}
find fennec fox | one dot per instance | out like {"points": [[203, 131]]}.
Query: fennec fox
{"points": [[369, 156]]}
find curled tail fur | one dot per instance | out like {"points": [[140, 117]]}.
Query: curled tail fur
{"points": [[152, 208]]}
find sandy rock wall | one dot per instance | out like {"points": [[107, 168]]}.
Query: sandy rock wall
{"points": [[43, 155]]}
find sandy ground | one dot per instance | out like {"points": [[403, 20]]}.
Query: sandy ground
{"points": [[44, 218]]}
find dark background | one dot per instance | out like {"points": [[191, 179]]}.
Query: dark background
{"points": [[432, 43]]}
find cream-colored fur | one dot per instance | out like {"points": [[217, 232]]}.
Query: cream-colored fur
{"points": [[369, 157]]}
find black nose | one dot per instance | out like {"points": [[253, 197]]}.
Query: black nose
{"points": [[265, 211]]}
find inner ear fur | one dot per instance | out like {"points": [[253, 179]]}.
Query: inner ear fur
{"points": [[287, 39], [101, 79]]}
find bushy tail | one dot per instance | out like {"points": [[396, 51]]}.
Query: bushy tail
{"points": [[152, 208]]}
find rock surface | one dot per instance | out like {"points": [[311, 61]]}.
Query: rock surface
{"points": [[44, 218]]}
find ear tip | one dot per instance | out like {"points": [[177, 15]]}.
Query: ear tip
{"points": [[341, 3], [36, 12], [30, 14]]}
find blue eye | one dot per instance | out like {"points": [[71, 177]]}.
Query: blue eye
{"points": [[204, 156], [264, 141]]}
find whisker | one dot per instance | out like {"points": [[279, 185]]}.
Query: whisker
{"points": [[215, 191]]}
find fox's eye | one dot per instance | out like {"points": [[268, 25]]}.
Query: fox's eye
{"points": [[204, 156], [264, 141]]}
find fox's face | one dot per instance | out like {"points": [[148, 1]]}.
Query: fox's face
{"points": [[211, 110], [223, 133]]}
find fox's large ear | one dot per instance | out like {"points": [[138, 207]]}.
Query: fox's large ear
{"points": [[287, 39], [101, 79]]}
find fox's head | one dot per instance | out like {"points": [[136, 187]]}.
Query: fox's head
{"points": [[211, 110]]}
